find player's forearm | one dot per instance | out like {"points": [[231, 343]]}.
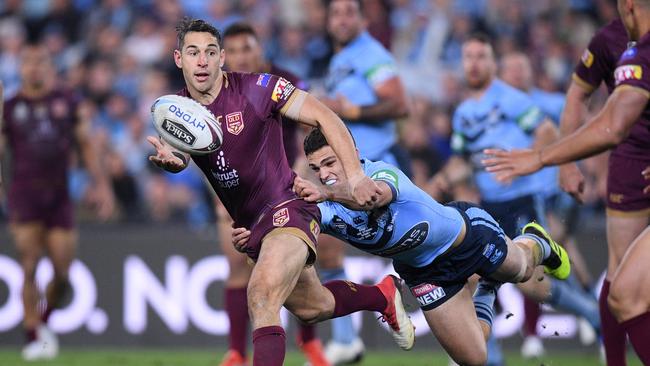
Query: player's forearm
{"points": [[605, 131], [575, 109], [92, 164], [378, 112]]}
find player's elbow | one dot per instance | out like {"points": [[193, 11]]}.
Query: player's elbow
{"points": [[401, 109], [617, 132]]}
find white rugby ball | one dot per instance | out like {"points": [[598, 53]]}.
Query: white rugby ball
{"points": [[186, 124]]}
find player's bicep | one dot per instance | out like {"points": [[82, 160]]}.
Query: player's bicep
{"points": [[304, 108]]}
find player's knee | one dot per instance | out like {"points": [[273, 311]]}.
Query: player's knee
{"points": [[620, 299], [478, 357], [262, 297]]}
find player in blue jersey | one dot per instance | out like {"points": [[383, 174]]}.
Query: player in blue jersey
{"points": [[561, 211], [364, 90], [434, 248], [497, 115]]}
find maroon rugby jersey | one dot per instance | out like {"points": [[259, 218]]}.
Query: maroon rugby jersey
{"points": [[597, 65], [40, 134], [249, 172], [290, 128]]}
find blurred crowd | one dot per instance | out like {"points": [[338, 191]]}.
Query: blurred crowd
{"points": [[117, 54]]}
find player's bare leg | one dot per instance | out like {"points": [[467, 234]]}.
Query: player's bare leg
{"points": [[622, 229], [30, 241], [61, 248], [345, 345], [629, 297], [281, 261], [235, 302], [458, 330]]}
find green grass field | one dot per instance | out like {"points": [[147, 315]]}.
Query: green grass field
{"points": [[202, 357]]}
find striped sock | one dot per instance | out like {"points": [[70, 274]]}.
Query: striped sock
{"points": [[484, 297]]}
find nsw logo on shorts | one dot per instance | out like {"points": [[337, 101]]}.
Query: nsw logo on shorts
{"points": [[427, 293], [280, 217]]}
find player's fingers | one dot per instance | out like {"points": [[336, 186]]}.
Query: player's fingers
{"points": [[505, 176], [646, 190], [155, 142], [498, 167], [495, 152]]}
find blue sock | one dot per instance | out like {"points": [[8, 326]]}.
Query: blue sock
{"points": [[568, 297], [544, 246], [494, 353], [342, 328], [484, 296]]}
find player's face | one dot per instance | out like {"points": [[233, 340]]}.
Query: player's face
{"points": [[201, 60], [36, 67], [516, 71], [324, 163], [243, 53], [344, 20], [478, 64]]}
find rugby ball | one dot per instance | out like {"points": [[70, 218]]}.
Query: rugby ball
{"points": [[186, 124]]}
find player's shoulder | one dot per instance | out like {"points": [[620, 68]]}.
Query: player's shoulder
{"points": [[366, 50], [634, 63]]}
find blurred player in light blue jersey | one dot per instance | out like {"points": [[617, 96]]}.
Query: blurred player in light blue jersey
{"points": [[561, 210], [434, 247], [364, 90], [498, 115]]}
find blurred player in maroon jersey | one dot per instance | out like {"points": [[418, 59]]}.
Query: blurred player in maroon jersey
{"points": [[244, 53], [252, 177], [41, 125], [624, 125]]}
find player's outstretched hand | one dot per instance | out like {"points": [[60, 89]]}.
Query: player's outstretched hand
{"points": [[507, 165], [308, 190], [572, 181], [364, 190], [646, 175], [165, 157], [240, 238]]}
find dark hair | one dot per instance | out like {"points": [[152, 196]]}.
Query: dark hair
{"points": [[481, 38], [239, 28], [359, 2], [189, 24], [316, 140]]}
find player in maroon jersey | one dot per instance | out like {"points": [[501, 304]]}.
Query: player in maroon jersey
{"points": [[40, 125], [254, 181], [244, 53], [623, 125]]}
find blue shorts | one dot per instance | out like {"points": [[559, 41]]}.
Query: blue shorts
{"points": [[482, 251], [513, 214]]}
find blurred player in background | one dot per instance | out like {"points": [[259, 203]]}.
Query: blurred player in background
{"points": [[254, 181], [560, 209], [41, 126], [244, 53], [496, 114], [623, 124], [363, 88]]}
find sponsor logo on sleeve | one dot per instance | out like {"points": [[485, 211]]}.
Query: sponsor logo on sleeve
{"points": [[263, 80], [587, 58], [386, 175], [529, 119], [235, 123], [427, 293], [281, 217], [282, 90], [628, 72], [314, 228]]}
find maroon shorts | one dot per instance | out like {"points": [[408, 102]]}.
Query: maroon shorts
{"points": [[295, 217], [625, 185], [51, 208]]}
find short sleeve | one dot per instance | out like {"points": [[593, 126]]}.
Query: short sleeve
{"points": [[634, 69], [524, 111], [268, 93], [389, 176], [595, 63], [326, 216], [377, 67]]}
